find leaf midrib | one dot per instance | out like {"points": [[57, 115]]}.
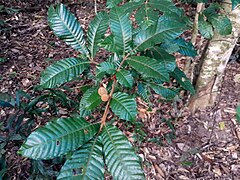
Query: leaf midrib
{"points": [[142, 63], [117, 151], [61, 137], [114, 98], [69, 67], [154, 35], [73, 35]]}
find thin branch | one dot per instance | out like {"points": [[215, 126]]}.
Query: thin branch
{"points": [[95, 6], [103, 120]]}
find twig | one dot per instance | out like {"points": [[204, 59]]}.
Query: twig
{"points": [[95, 6], [200, 7], [103, 120]]}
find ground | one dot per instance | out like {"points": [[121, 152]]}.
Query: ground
{"points": [[172, 143]]}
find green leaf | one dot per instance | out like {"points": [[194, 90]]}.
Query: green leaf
{"points": [[96, 30], [90, 99], [108, 44], [146, 14], [125, 78], [235, 3], [238, 114], [143, 91], [205, 28], [120, 158], [161, 55], [183, 80], [167, 7], [124, 106], [167, 93], [105, 67], [167, 29], [222, 24], [122, 30], [85, 163], [129, 7], [58, 137], [66, 27], [170, 47], [148, 67], [186, 48], [112, 3], [63, 71]]}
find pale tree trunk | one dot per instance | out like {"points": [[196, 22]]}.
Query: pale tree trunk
{"points": [[214, 63]]}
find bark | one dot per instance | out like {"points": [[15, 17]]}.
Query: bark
{"points": [[220, 48]]}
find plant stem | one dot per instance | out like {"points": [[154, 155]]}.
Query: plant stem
{"points": [[103, 120], [121, 64], [104, 117]]}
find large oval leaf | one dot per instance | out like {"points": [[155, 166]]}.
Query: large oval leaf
{"points": [[120, 158], [125, 78], [165, 58], [122, 30], [165, 92], [185, 48], [148, 67], [63, 71], [166, 29], [124, 106], [183, 80], [90, 99], [66, 27], [96, 30], [221, 23], [205, 28], [85, 163], [58, 137]]}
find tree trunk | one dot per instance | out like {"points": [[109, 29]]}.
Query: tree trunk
{"points": [[214, 63]]}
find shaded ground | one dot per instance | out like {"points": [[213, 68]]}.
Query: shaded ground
{"points": [[204, 146]]}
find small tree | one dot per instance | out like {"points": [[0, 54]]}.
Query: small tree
{"points": [[139, 60]]}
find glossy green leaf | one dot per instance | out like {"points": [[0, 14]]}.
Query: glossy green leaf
{"points": [[120, 158], [222, 24], [148, 67], [112, 3], [125, 78], [186, 48], [168, 61], [90, 99], [167, 7], [108, 44], [105, 68], [235, 3], [167, 29], [58, 137], [170, 47], [238, 114], [129, 7], [85, 163], [205, 28], [63, 71], [96, 31], [147, 15], [124, 106], [165, 92], [122, 30], [143, 92], [66, 27], [183, 80]]}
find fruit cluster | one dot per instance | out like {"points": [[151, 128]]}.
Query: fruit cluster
{"points": [[102, 91]]}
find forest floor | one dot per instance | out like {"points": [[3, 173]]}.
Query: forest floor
{"points": [[172, 143]]}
